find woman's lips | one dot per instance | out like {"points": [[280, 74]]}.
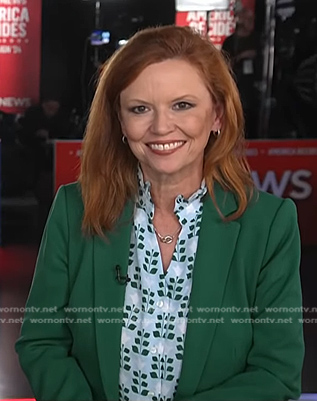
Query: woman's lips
{"points": [[165, 148]]}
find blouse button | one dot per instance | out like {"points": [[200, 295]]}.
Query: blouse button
{"points": [[150, 394], [160, 303], [153, 350]]}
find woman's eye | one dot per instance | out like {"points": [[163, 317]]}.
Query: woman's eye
{"points": [[183, 106], [139, 109]]}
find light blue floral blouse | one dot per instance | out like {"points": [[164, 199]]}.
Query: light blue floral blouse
{"points": [[156, 303]]}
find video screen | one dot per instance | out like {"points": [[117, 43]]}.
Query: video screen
{"points": [[99, 38]]}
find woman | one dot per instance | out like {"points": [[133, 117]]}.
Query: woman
{"points": [[160, 265]]}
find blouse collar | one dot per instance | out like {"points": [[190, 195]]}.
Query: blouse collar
{"points": [[145, 201]]}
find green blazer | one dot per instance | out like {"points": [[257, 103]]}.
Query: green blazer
{"points": [[251, 264]]}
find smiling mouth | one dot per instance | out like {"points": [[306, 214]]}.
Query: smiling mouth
{"points": [[166, 146]]}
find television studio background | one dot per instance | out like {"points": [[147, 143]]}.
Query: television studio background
{"points": [[50, 54]]}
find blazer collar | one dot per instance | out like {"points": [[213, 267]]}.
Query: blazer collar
{"points": [[216, 245]]}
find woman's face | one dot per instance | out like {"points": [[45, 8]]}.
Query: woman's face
{"points": [[167, 115]]}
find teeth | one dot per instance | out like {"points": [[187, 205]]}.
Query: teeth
{"points": [[166, 146]]}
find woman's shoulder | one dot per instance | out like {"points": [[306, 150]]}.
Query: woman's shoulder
{"points": [[73, 190], [70, 196], [265, 206], [266, 200], [268, 216]]}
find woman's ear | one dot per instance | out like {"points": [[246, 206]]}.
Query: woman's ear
{"points": [[218, 118]]}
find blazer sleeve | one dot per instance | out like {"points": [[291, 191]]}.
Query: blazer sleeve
{"points": [[274, 363], [45, 341]]}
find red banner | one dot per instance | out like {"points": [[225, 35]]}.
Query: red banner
{"points": [[221, 24], [218, 24], [20, 41], [66, 162], [249, 4], [195, 19], [288, 169]]}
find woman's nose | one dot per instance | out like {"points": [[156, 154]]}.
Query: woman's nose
{"points": [[162, 123]]}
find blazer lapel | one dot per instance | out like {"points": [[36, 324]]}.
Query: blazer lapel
{"points": [[109, 299], [216, 245]]}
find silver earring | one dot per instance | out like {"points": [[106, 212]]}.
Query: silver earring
{"points": [[124, 139], [217, 133]]}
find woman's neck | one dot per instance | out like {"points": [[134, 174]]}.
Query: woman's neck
{"points": [[166, 187]]}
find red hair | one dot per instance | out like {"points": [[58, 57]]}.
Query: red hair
{"points": [[108, 176]]}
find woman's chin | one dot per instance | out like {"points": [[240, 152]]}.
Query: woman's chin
{"points": [[164, 168]]}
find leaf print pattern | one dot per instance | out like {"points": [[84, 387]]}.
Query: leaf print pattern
{"points": [[123, 392], [136, 278], [148, 301], [161, 398], [141, 343], [131, 316], [156, 304], [151, 261], [125, 358], [183, 310], [162, 367], [180, 252], [164, 326], [175, 288], [180, 347], [139, 383]]}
